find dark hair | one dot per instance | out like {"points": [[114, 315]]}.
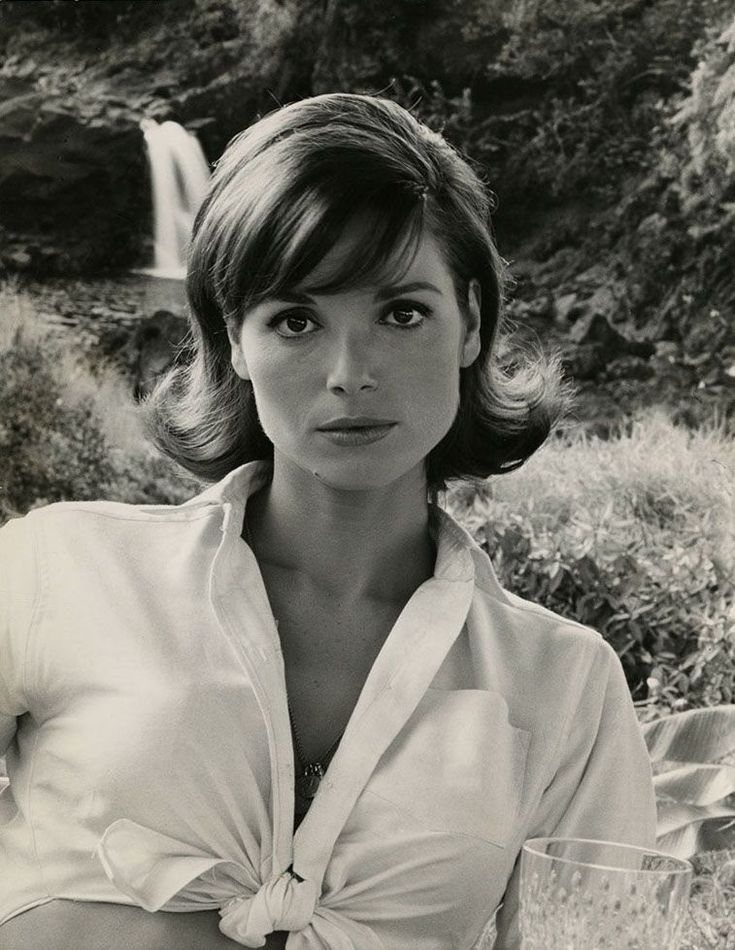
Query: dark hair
{"points": [[280, 198]]}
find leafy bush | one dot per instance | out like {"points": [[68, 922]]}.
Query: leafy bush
{"points": [[706, 116], [568, 94], [49, 451], [693, 178], [632, 536], [68, 431]]}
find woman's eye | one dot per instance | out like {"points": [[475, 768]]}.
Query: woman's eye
{"points": [[292, 324], [408, 315]]}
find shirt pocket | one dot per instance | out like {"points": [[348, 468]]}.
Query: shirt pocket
{"points": [[457, 766]]}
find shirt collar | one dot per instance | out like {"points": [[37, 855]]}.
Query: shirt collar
{"points": [[459, 557]]}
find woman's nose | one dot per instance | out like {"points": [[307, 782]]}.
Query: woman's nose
{"points": [[351, 368]]}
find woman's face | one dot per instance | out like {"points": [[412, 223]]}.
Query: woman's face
{"points": [[325, 367]]}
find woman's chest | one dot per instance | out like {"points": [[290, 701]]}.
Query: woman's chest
{"points": [[328, 654]]}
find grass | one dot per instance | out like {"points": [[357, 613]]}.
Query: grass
{"points": [[710, 924], [653, 477]]}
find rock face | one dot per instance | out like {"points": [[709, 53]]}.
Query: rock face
{"points": [[75, 82], [152, 348], [73, 187]]}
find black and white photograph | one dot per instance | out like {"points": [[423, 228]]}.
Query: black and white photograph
{"points": [[367, 474]]}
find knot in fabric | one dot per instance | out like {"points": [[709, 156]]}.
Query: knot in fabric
{"points": [[283, 903]]}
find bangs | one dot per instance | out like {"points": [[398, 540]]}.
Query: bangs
{"points": [[293, 242]]}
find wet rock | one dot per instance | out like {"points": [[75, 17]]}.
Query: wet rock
{"points": [[17, 260], [596, 329], [597, 344], [594, 276], [630, 367], [70, 181], [585, 361], [602, 302], [152, 348], [564, 307], [533, 313]]}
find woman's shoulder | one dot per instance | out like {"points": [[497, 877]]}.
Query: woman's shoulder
{"points": [[533, 616], [211, 500], [512, 632], [518, 614], [70, 530], [521, 620], [64, 512]]}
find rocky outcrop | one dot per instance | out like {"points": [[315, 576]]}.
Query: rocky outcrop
{"points": [[75, 82], [73, 186], [596, 344], [152, 348]]}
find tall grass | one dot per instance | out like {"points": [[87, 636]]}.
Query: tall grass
{"points": [[69, 427]]}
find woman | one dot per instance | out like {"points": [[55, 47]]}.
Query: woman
{"points": [[302, 700]]}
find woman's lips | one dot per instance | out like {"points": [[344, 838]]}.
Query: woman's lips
{"points": [[358, 435]]}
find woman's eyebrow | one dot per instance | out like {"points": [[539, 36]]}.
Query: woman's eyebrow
{"points": [[293, 296], [384, 293]]}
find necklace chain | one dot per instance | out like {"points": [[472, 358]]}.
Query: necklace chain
{"points": [[298, 748]]}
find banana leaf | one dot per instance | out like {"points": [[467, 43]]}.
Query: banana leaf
{"points": [[711, 834], [698, 735], [695, 784]]}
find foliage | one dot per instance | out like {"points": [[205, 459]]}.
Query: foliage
{"points": [[693, 754], [707, 118], [49, 450], [710, 923], [567, 94], [68, 431], [88, 21], [634, 537]]}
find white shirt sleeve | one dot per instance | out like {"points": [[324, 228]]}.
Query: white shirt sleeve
{"points": [[603, 788], [17, 600]]}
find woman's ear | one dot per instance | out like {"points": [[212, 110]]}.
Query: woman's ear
{"points": [[237, 357], [473, 318]]}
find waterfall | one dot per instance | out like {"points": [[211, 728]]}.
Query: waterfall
{"points": [[179, 177]]}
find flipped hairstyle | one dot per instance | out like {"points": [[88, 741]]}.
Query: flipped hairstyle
{"points": [[280, 198]]}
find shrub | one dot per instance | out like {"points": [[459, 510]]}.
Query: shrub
{"points": [[68, 430], [632, 536], [49, 451]]}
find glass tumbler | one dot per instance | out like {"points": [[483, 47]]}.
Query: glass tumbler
{"points": [[578, 894]]}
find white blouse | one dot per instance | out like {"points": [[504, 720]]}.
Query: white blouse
{"points": [[143, 709]]}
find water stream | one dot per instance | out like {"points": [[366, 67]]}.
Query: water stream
{"points": [[179, 177]]}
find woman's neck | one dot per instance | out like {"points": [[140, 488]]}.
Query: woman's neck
{"points": [[351, 546]]}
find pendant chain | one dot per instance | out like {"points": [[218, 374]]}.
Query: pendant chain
{"points": [[299, 749]]}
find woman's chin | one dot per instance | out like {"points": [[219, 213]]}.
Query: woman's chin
{"points": [[364, 474], [352, 481]]}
